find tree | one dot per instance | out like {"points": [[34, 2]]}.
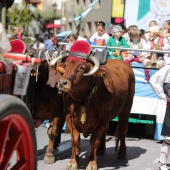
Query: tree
{"points": [[46, 17], [19, 17]]}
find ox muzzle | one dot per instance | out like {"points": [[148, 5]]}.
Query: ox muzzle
{"points": [[63, 85]]}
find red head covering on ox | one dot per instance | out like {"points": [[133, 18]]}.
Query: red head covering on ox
{"points": [[18, 46], [79, 46]]}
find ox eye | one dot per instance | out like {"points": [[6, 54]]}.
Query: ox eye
{"points": [[61, 73], [81, 68]]}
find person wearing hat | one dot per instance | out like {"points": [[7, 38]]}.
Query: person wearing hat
{"points": [[156, 43], [116, 41]]}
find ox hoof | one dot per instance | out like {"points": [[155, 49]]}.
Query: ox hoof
{"points": [[122, 156], [72, 166], [91, 167], [100, 151], [49, 159]]}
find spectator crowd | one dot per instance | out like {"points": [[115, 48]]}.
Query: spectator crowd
{"points": [[154, 38]]}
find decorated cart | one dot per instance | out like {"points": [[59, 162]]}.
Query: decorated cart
{"points": [[18, 149]]}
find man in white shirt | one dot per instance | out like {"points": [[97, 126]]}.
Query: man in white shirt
{"points": [[160, 83]]}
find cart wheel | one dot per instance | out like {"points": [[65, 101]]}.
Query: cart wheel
{"points": [[18, 148]]}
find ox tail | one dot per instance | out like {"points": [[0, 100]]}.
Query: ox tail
{"points": [[117, 139]]}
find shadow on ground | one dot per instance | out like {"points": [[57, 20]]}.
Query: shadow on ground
{"points": [[104, 161]]}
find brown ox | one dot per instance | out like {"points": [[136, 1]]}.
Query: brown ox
{"points": [[106, 92], [48, 104]]}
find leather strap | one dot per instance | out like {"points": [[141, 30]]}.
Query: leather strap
{"points": [[79, 54]]}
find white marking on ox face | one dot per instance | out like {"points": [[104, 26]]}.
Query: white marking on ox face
{"points": [[64, 85]]}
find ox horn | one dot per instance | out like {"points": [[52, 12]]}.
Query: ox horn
{"points": [[55, 60], [95, 68]]}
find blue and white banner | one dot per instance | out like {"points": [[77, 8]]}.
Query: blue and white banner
{"points": [[146, 11], [146, 101]]}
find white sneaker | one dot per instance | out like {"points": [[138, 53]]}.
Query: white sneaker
{"points": [[145, 81], [47, 125], [162, 166]]}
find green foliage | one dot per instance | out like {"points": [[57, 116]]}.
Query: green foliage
{"points": [[46, 16], [49, 16], [19, 16]]}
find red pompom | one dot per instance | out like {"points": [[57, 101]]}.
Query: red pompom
{"points": [[81, 46], [18, 46]]}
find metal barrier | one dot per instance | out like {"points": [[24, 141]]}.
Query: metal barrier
{"points": [[128, 49], [125, 49]]}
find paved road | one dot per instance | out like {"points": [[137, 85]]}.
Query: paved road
{"points": [[143, 154]]}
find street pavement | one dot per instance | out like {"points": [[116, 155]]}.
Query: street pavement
{"points": [[142, 152]]}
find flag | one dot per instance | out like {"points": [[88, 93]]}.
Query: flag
{"points": [[93, 3], [83, 14], [86, 12]]}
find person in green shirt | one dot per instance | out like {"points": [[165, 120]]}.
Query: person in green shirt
{"points": [[116, 41]]}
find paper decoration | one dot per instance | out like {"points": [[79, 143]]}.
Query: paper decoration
{"points": [[21, 80]]}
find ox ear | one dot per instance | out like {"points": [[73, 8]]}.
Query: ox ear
{"points": [[52, 78], [60, 68], [105, 74], [61, 64]]}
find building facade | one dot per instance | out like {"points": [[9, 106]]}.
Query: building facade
{"points": [[101, 12], [69, 9]]}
